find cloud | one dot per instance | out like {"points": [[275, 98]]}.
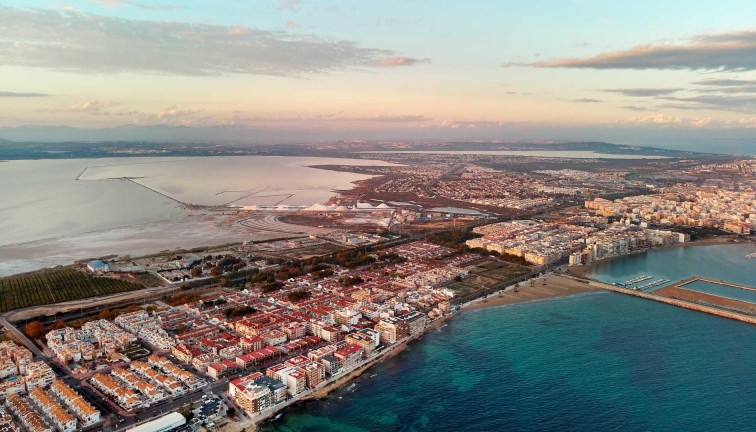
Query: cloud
{"points": [[587, 100], [21, 94], [93, 107], [400, 61], [638, 108], [78, 42], [470, 124], [171, 115], [738, 103], [663, 120], [733, 51], [658, 119], [644, 92], [725, 82], [119, 3], [174, 112], [388, 119], [331, 117]]}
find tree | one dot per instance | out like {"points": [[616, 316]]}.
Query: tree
{"points": [[35, 329], [298, 295], [105, 314], [58, 324]]}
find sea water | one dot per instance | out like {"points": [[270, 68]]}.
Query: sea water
{"points": [[591, 362]]}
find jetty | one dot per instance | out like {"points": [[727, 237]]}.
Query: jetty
{"points": [[712, 310], [635, 280], [653, 284]]}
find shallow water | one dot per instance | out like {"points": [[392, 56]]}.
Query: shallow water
{"points": [[42, 199]]}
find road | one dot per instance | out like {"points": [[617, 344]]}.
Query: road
{"points": [[83, 304], [21, 337]]}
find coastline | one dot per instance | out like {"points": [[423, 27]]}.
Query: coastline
{"points": [[551, 286], [336, 383], [555, 286], [583, 270]]}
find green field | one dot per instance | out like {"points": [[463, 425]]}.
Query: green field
{"points": [[55, 286]]}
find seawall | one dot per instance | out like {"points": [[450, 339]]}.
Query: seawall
{"points": [[673, 302]]}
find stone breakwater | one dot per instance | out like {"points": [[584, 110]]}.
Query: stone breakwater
{"points": [[675, 302]]}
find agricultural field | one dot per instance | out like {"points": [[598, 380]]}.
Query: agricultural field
{"points": [[55, 286]]}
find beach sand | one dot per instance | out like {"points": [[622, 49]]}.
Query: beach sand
{"points": [[548, 287]]}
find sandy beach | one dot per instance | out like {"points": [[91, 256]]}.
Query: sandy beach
{"points": [[549, 287]]}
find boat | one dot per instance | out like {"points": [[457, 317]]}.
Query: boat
{"points": [[653, 284], [635, 280]]}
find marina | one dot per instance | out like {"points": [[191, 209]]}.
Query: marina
{"points": [[634, 280], [653, 284], [721, 309], [719, 288]]}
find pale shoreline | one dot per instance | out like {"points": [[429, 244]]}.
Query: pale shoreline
{"points": [[551, 286]]}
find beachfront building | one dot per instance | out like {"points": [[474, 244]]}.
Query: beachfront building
{"points": [[348, 356], [392, 329], [254, 398], [416, 322]]}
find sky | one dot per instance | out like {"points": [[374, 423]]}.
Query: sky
{"points": [[297, 70]]}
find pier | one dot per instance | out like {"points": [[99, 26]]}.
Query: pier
{"points": [[635, 280], [750, 319]]}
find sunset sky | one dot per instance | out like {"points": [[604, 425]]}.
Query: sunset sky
{"points": [[621, 71]]}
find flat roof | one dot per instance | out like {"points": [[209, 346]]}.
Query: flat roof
{"points": [[162, 424]]}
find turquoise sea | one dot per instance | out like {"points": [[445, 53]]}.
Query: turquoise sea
{"points": [[592, 362]]}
